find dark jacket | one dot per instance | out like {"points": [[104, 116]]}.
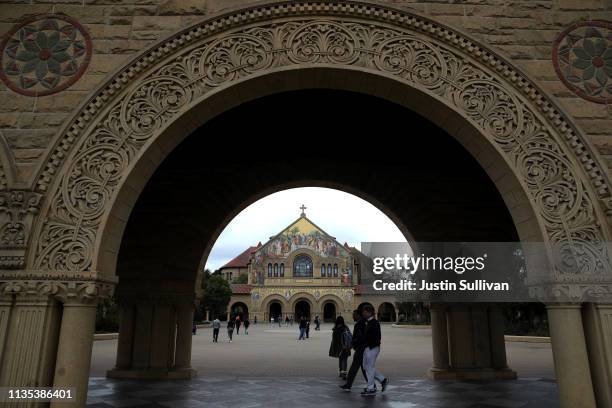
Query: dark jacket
{"points": [[359, 334], [336, 344], [372, 333]]}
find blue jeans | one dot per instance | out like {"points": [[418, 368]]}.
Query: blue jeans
{"points": [[302, 333], [369, 363]]}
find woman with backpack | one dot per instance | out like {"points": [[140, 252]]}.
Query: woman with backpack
{"points": [[340, 347]]}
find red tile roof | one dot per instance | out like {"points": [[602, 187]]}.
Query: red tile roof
{"points": [[242, 260], [240, 288]]}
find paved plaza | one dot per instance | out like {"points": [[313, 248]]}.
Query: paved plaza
{"points": [[270, 367]]}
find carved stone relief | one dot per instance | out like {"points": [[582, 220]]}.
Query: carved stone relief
{"points": [[17, 211], [563, 181]]}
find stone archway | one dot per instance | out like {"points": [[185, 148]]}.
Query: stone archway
{"points": [[239, 309], [330, 311], [546, 171], [496, 100], [386, 312], [302, 309], [274, 306], [275, 311]]}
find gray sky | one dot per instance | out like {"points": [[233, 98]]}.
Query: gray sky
{"points": [[344, 216]]}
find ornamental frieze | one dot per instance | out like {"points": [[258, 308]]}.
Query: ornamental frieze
{"points": [[261, 293], [70, 291], [532, 135]]}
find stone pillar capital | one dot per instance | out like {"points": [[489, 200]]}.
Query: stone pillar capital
{"points": [[563, 305], [45, 287], [17, 211]]}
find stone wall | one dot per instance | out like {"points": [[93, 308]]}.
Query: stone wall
{"points": [[524, 31]]}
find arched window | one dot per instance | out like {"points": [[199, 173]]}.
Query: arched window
{"points": [[269, 270], [276, 270], [282, 270], [335, 270], [329, 271], [302, 266], [322, 270]]}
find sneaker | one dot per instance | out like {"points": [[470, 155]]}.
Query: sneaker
{"points": [[345, 387], [384, 384], [368, 393]]}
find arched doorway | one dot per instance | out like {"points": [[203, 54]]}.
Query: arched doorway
{"points": [[275, 311], [239, 309], [329, 312], [386, 312], [302, 309], [118, 169]]}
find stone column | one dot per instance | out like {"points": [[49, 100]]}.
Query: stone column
{"points": [[127, 316], [570, 356], [439, 340], [475, 347], [29, 330], [461, 339], [598, 334], [163, 337], [498, 340], [74, 350], [184, 339], [155, 341]]}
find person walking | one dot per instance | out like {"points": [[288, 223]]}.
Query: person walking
{"points": [[340, 346], [302, 329], [255, 320], [238, 322], [287, 321], [246, 325], [370, 354], [358, 344], [216, 325], [230, 329], [317, 323], [307, 329]]}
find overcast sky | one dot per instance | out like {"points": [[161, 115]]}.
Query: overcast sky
{"points": [[344, 216]]}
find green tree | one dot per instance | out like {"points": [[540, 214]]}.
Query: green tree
{"points": [[216, 294], [240, 279]]}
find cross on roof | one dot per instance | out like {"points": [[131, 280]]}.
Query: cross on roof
{"points": [[303, 208]]}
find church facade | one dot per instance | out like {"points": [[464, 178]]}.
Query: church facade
{"points": [[301, 272]]}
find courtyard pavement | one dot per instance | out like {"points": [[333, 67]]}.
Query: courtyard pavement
{"points": [[271, 368]]}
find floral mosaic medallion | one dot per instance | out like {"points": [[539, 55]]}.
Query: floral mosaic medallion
{"points": [[44, 54], [582, 56]]}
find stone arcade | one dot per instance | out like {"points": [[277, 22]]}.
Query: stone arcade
{"points": [[524, 87]]}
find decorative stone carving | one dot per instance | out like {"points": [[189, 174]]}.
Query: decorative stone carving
{"points": [[17, 211], [556, 167], [44, 54], [582, 56], [76, 291]]}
